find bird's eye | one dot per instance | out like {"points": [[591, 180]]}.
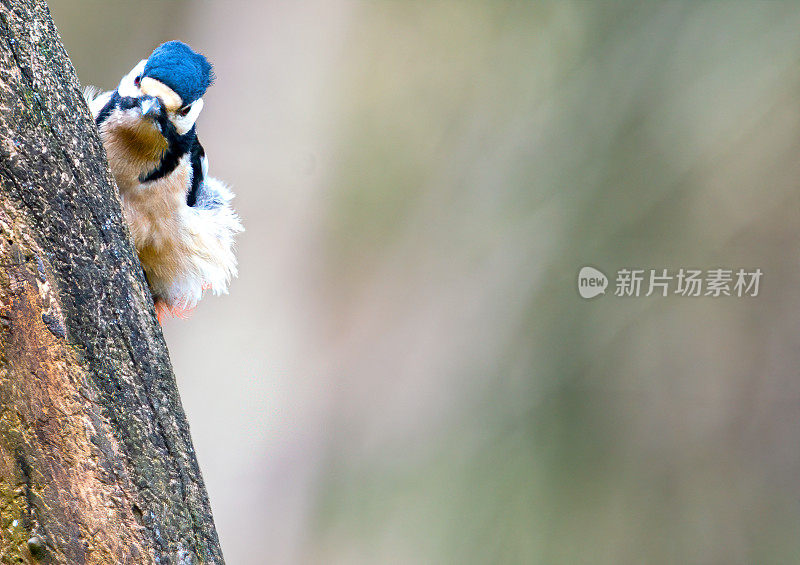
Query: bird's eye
{"points": [[137, 80], [185, 110]]}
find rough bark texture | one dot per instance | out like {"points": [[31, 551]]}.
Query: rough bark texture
{"points": [[96, 461]]}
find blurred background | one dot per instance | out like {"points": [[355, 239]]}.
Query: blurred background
{"points": [[404, 371]]}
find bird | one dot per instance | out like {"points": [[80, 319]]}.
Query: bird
{"points": [[179, 217]]}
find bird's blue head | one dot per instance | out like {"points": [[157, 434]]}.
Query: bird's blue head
{"points": [[175, 65]]}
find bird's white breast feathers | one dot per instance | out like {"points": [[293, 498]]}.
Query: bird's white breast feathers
{"points": [[183, 249]]}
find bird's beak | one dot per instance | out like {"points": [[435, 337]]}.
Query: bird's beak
{"points": [[151, 107]]}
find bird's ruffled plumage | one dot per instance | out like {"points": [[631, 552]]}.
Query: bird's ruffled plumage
{"points": [[181, 219]]}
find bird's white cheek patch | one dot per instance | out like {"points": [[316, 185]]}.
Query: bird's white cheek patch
{"points": [[127, 87], [169, 97], [184, 123]]}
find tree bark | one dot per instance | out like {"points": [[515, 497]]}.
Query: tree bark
{"points": [[96, 461]]}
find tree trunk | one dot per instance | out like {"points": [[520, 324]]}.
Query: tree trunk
{"points": [[96, 462]]}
